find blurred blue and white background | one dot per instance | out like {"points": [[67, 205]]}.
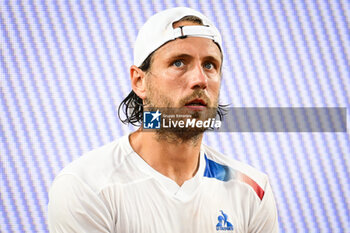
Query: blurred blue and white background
{"points": [[65, 68]]}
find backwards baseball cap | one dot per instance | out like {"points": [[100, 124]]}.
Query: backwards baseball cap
{"points": [[159, 29]]}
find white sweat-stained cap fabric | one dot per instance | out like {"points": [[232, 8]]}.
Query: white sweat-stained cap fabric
{"points": [[159, 29]]}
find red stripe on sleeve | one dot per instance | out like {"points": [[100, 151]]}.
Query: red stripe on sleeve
{"points": [[258, 190]]}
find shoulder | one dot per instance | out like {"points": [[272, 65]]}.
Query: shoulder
{"points": [[225, 168], [96, 168], [75, 200]]}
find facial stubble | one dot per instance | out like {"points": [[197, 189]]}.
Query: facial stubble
{"points": [[157, 100]]}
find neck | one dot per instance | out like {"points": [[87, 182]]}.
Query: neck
{"points": [[179, 161]]}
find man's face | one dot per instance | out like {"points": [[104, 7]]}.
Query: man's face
{"points": [[185, 73]]}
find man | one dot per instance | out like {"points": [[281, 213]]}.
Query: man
{"points": [[165, 180]]}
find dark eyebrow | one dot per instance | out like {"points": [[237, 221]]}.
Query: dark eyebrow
{"points": [[184, 56], [179, 56], [212, 58]]}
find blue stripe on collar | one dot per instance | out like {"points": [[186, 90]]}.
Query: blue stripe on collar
{"points": [[216, 170]]}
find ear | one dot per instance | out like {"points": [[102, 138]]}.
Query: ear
{"points": [[138, 82]]}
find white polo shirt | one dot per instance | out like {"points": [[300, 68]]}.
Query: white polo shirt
{"points": [[112, 189]]}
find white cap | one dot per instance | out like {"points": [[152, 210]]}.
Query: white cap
{"points": [[159, 29]]}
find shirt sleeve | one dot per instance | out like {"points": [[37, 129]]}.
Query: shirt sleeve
{"points": [[75, 207], [265, 219]]}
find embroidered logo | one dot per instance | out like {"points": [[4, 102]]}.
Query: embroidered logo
{"points": [[223, 223], [151, 120]]}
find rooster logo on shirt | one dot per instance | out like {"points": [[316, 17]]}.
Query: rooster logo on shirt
{"points": [[223, 224]]}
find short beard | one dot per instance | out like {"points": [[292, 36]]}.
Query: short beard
{"points": [[179, 135]]}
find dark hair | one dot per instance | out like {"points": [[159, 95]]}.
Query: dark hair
{"points": [[191, 18], [132, 105]]}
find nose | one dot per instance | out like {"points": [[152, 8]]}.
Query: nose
{"points": [[199, 78]]}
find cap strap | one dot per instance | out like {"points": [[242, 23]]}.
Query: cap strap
{"points": [[195, 31]]}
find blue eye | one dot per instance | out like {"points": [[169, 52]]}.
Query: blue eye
{"points": [[209, 66], [178, 63]]}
